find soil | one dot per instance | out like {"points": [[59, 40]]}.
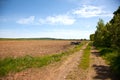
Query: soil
{"points": [[56, 71], [18, 48]]}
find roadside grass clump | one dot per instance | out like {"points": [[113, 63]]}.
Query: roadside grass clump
{"points": [[18, 64], [85, 61], [115, 66], [112, 58], [12, 65], [108, 54]]}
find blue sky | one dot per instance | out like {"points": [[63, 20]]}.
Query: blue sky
{"points": [[69, 19]]}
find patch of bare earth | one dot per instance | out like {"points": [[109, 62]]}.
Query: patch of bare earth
{"points": [[99, 70], [78, 73], [17, 48], [56, 71]]}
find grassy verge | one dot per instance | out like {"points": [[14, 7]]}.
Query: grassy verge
{"points": [[112, 58], [107, 54], [8, 65], [85, 61]]}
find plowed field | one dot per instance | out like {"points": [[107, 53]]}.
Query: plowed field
{"points": [[16, 48]]}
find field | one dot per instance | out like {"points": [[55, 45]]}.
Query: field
{"points": [[50, 60], [17, 48]]}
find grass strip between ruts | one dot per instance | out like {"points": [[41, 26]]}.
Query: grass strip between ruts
{"points": [[85, 61]]}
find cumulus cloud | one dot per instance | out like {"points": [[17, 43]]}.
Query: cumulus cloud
{"points": [[28, 20], [59, 19], [69, 18], [91, 11]]}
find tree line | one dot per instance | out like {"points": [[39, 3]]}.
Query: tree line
{"points": [[107, 37]]}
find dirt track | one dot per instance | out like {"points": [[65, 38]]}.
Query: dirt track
{"points": [[57, 71]]}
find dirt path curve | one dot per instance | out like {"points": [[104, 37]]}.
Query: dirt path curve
{"points": [[56, 71], [99, 70]]}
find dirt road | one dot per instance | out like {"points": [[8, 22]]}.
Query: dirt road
{"points": [[98, 69], [56, 71]]}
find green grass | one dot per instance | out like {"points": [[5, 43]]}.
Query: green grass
{"points": [[85, 61], [13, 65], [108, 54], [112, 57]]}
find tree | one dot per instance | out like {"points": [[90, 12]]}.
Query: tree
{"points": [[108, 35], [99, 33], [115, 30], [92, 37]]}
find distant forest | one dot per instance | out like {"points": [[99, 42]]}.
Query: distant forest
{"points": [[41, 39]]}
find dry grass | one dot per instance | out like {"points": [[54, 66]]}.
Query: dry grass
{"points": [[17, 48]]}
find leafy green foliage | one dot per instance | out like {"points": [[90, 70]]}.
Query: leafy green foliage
{"points": [[108, 35], [92, 37], [113, 59], [99, 34], [115, 65]]}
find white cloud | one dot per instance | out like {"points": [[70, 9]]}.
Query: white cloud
{"points": [[69, 18], [28, 20], [91, 11], [59, 19]]}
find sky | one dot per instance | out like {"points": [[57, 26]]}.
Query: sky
{"points": [[67, 19]]}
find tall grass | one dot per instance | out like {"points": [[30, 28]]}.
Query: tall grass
{"points": [[10, 64], [15, 65], [112, 57]]}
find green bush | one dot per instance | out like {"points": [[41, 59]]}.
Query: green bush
{"points": [[115, 65]]}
